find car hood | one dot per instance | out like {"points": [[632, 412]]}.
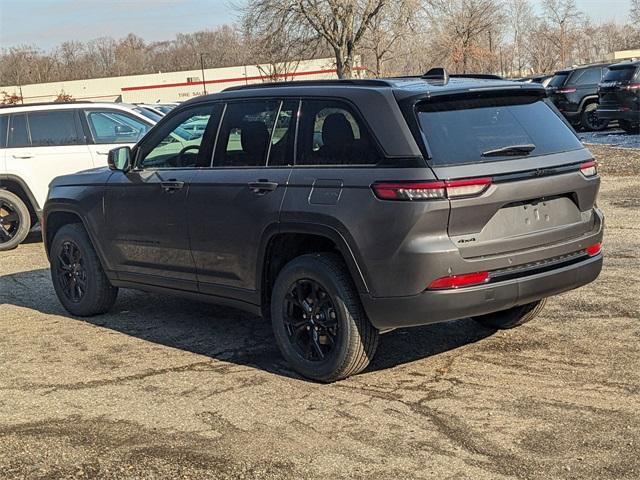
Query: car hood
{"points": [[94, 176]]}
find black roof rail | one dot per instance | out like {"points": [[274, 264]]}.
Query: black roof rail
{"points": [[42, 104], [369, 82], [481, 76]]}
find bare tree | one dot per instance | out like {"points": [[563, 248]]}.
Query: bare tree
{"points": [[342, 24], [521, 20], [564, 17]]}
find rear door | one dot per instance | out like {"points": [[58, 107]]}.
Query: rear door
{"points": [[110, 128], [529, 195], [42, 145], [235, 201]]}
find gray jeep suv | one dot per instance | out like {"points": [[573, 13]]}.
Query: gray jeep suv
{"points": [[341, 210]]}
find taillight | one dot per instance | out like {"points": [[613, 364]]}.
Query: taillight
{"points": [[589, 169], [632, 86], [458, 281], [566, 90], [594, 249], [430, 190]]}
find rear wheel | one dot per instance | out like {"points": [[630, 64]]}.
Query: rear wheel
{"points": [[630, 127], [590, 120], [78, 278], [513, 317], [15, 221], [318, 320]]}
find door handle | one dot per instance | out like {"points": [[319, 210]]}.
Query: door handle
{"points": [[99, 152], [262, 186], [24, 155], [171, 186]]}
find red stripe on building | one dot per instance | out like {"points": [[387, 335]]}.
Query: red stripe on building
{"points": [[237, 79]]}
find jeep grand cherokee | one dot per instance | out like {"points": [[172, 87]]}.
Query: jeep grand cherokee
{"points": [[340, 209]]}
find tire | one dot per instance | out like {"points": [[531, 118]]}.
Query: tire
{"points": [[589, 119], [15, 220], [630, 128], [513, 317], [78, 278], [320, 285]]}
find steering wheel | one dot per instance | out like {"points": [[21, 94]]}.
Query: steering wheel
{"points": [[178, 158]]}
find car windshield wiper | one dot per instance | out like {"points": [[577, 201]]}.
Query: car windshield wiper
{"points": [[510, 150]]}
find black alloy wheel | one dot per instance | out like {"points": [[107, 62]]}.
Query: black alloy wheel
{"points": [[311, 320], [71, 272], [9, 221]]}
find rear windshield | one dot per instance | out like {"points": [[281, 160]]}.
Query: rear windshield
{"points": [[620, 74], [558, 79], [462, 131]]}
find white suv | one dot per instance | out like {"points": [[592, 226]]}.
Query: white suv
{"points": [[39, 142]]}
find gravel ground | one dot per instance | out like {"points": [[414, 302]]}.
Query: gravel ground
{"points": [[616, 138], [168, 388]]}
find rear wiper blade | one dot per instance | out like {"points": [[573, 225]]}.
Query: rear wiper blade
{"points": [[510, 150]]}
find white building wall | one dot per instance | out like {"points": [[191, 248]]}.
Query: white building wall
{"points": [[169, 86]]}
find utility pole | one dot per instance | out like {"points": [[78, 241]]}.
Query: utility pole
{"points": [[204, 86]]}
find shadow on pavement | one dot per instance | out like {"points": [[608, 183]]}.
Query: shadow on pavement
{"points": [[224, 333]]}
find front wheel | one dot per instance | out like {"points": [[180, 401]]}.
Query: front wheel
{"points": [[15, 221], [318, 321], [590, 120], [512, 317], [78, 278]]}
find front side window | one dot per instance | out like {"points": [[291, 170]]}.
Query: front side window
{"points": [[111, 126], [245, 134], [180, 145], [18, 131], [54, 128], [331, 134]]}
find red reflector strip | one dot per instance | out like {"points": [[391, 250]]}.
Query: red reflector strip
{"points": [[632, 86], [458, 281], [594, 249]]}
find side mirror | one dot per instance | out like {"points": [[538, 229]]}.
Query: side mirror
{"points": [[120, 159]]}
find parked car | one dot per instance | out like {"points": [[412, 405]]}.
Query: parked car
{"points": [[575, 93], [541, 79], [619, 95], [39, 142], [340, 210]]}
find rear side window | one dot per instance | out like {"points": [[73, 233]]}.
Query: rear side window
{"points": [[332, 134], [245, 134], [54, 128], [111, 126], [18, 131], [558, 79], [620, 74], [4, 124], [587, 76], [463, 131]]}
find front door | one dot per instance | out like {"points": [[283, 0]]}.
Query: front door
{"points": [[234, 203], [146, 208]]}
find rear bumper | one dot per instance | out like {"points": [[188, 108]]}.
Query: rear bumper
{"points": [[438, 306], [610, 114]]}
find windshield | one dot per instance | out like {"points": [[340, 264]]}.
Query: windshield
{"points": [[462, 131], [558, 79], [620, 74]]}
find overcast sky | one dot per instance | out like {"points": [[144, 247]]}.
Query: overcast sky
{"points": [[46, 23]]}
